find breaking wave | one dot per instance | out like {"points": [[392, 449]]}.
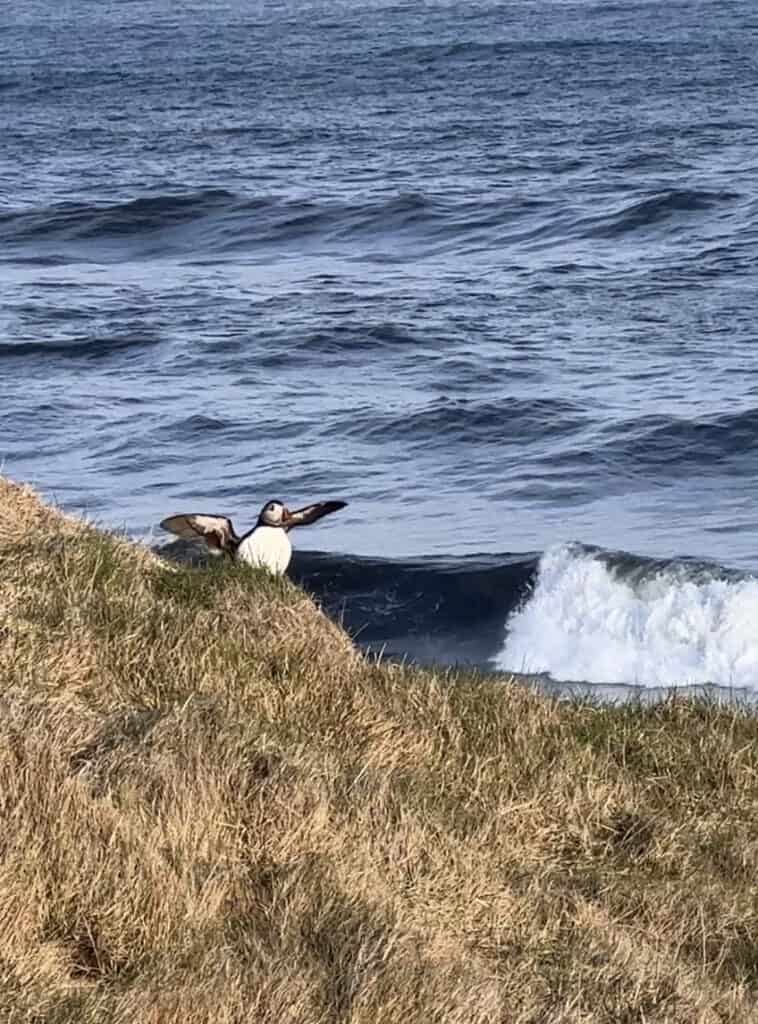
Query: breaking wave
{"points": [[599, 618], [575, 615]]}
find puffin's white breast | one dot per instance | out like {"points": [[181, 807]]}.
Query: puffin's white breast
{"points": [[267, 547]]}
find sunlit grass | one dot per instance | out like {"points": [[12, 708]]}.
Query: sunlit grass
{"points": [[213, 809]]}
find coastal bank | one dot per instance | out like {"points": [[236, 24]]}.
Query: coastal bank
{"points": [[214, 808]]}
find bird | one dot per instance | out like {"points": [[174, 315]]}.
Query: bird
{"points": [[266, 546]]}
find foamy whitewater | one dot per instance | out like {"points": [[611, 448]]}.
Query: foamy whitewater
{"points": [[584, 622]]}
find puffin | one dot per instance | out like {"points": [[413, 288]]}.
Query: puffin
{"points": [[266, 546]]}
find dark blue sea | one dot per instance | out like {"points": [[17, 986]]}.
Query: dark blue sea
{"points": [[487, 271]]}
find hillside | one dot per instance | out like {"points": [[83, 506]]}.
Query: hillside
{"points": [[213, 809]]}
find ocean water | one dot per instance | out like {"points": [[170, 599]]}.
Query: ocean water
{"points": [[487, 271]]}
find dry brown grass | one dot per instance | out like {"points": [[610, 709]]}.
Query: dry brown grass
{"points": [[212, 809]]}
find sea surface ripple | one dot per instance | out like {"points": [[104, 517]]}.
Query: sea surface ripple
{"points": [[484, 269]]}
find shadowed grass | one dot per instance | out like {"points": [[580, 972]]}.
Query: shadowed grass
{"points": [[213, 809]]}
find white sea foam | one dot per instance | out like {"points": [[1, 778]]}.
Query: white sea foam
{"points": [[584, 622]]}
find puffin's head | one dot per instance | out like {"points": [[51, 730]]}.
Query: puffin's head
{"points": [[274, 513]]}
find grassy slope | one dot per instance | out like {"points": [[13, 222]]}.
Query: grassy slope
{"points": [[212, 809]]}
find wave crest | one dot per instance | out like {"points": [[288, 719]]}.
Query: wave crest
{"points": [[216, 221], [472, 422], [590, 620], [656, 209]]}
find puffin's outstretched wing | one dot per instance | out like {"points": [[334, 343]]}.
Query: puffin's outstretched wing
{"points": [[309, 514], [217, 531]]}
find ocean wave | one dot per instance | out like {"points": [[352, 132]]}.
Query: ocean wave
{"points": [[655, 448], [430, 610], [660, 444], [463, 421], [216, 221], [357, 337], [223, 220], [466, 50], [90, 347], [575, 614], [601, 619], [654, 210], [87, 221]]}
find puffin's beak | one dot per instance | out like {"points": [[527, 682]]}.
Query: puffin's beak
{"points": [[287, 516]]}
